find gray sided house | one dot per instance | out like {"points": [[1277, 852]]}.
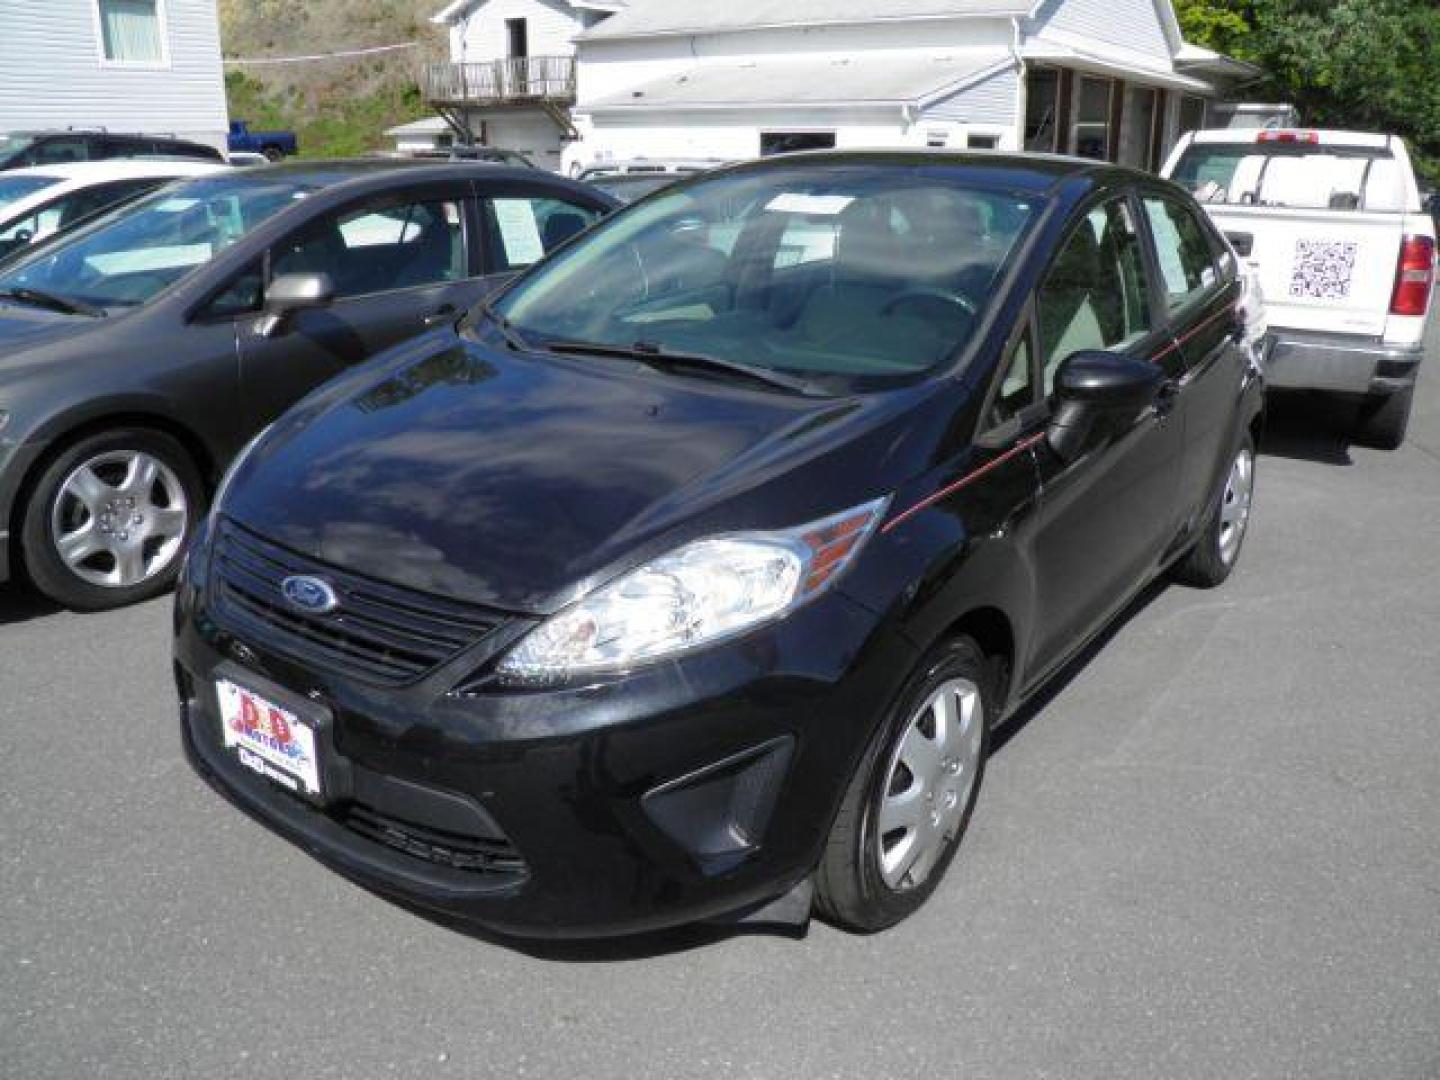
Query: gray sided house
{"points": [[148, 66]]}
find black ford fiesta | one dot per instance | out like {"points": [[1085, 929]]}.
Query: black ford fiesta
{"points": [[697, 570]]}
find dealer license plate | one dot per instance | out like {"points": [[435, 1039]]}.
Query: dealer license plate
{"points": [[269, 739]]}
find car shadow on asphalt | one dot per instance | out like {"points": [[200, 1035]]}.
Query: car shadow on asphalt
{"points": [[644, 946], [1309, 427], [1058, 683], [20, 604]]}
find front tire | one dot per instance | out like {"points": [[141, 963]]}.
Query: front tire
{"points": [[1212, 560], [1384, 421], [910, 801], [109, 519]]}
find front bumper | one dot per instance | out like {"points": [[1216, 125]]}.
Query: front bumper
{"points": [[688, 790], [1340, 363]]}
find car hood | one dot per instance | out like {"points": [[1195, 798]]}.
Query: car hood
{"points": [[519, 481]]}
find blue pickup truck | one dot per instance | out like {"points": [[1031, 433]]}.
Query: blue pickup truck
{"points": [[273, 144]]}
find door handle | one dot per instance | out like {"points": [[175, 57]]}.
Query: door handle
{"points": [[443, 314]]}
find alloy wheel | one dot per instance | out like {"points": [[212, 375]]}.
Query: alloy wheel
{"points": [[1235, 505], [120, 519]]}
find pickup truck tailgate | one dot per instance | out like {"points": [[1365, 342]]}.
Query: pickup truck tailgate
{"points": [[1321, 270]]}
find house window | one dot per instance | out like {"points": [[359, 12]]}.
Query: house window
{"points": [[1192, 114], [937, 138], [1042, 110], [974, 141], [1092, 120], [787, 142], [130, 31]]}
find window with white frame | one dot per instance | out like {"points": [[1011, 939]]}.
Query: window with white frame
{"points": [[130, 31]]}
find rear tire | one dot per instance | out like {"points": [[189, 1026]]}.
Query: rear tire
{"points": [[108, 520], [273, 153], [1210, 562], [868, 880], [1385, 420]]}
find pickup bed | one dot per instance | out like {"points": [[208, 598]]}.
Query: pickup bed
{"points": [[1332, 226]]}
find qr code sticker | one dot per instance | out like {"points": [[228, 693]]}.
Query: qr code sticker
{"points": [[1323, 269]]}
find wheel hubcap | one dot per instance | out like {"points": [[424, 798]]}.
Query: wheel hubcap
{"points": [[1235, 507], [119, 519], [927, 788]]}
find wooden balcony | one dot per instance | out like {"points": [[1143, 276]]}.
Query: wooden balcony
{"points": [[525, 80]]}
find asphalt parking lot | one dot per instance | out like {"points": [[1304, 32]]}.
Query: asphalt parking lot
{"points": [[1214, 852]]}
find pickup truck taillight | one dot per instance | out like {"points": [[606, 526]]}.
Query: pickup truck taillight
{"points": [[1415, 278]]}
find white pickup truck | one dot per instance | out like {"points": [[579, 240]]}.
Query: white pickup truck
{"points": [[1331, 223]]}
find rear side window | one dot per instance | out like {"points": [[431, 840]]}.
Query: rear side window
{"points": [[1187, 262], [521, 231], [1299, 176], [56, 151]]}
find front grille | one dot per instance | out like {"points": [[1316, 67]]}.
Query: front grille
{"points": [[469, 853], [380, 633]]}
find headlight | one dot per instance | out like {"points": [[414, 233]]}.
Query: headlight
{"points": [[704, 592], [223, 489]]}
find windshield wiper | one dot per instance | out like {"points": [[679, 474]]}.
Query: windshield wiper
{"points": [[506, 327], [65, 304], [648, 352]]}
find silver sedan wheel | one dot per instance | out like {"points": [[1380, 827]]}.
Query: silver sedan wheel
{"points": [[928, 786], [120, 519], [1235, 507]]}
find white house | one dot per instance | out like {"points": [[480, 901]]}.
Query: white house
{"points": [[151, 66], [510, 81], [1111, 79]]}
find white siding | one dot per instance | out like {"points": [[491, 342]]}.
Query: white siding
{"points": [[992, 102], [529, 131], [610, 67], [551, 26], [1132, 26], [730, 136], [51, 73]]}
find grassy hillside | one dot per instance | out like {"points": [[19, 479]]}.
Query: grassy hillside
{"points": [[337, 107]]}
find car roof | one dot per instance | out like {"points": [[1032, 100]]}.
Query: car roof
{"points": [[358, 176], [1037, 173], [81, 173], [1366, 140]]}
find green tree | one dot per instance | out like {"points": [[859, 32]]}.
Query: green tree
{"points": [[1360, 64]]}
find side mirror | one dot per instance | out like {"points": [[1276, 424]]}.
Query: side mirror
{"points": [[290, 293], [1096, 395]]}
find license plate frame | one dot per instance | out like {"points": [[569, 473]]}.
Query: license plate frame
{"points": [[272, 735]]}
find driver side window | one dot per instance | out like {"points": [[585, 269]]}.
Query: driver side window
{"points": [[1096, 295]]}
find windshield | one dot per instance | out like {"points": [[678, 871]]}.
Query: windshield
{"points": [[126, 257], [13, 188], [860, 275], [1300, 176]]}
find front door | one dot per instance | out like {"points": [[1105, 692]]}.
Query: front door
{"points": [[1106, 518], [400, 265], [1200, 304]]}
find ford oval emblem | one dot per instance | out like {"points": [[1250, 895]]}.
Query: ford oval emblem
{"points": [[312, 595]]}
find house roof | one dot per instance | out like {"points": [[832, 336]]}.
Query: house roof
{"points": [[459, 9], [819, 82], [656, 18], [431, 125], [1100, 64]]}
